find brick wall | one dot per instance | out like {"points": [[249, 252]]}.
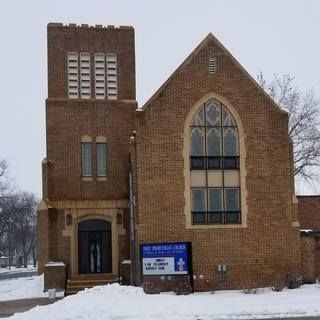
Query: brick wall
{"points": [[308, 258], [42, 239], [309, 212], [67, 122], [269, 244]]}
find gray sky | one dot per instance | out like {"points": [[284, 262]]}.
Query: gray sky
{"points": [[272, 36]]}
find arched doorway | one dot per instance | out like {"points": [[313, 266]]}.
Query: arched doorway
{"points": [[94, 246]]}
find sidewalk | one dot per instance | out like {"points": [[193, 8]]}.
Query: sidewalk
{"points": [[8, 308]]}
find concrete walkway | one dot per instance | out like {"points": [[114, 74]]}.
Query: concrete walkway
{"points": [[8, 308], [13, 275]]}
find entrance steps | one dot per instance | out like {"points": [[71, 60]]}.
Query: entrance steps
{"points": [[78, 283]]}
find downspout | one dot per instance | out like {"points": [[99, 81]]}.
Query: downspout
{"points": [[132, 228]]}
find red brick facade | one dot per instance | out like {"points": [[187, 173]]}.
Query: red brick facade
{"points": [[264, 244]]}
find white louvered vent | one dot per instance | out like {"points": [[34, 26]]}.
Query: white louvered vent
{"points": [[100, 75], [85, 87], [212, 65], [112, 87], [73, 77]]}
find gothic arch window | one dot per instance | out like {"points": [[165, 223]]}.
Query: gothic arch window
{"points": [[214, 166]]}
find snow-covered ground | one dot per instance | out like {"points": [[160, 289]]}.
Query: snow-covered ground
{"points": [[114, 302], [21, 288], [18, 270]]}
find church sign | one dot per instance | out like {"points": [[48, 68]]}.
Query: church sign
{"points": [[165, 258]]}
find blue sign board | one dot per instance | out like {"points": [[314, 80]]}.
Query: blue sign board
{"points": [[165, 258]]}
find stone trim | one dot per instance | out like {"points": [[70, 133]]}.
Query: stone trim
{"points": [[88, 204], [108, 215], [86, 138]]}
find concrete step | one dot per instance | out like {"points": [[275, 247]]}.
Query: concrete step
{"points": [[98, 276], [79, 283]]}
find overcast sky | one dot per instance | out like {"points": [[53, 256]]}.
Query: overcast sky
{"points": [[272, 36]]}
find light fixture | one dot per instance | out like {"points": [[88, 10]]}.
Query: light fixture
{"points": [[119, 218]]}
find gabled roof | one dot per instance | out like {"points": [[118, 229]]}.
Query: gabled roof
{"points": [[209, 38]]}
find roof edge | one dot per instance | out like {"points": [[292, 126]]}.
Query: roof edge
{"points": [[209, 37]]}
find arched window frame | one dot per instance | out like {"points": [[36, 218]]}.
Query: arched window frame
{"points": [[240, 166]]}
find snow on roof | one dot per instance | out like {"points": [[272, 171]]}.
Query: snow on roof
{"points": [[306, 230]]}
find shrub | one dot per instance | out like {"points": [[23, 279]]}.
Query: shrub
{"points": [[182, 288], [294, 280], [150, 288], [248, 288], [279, 283]]}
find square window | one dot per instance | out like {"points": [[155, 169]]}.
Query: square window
{"points": [[232, 217], [214, 162], [198, 217], [197, 163], [231, 163], [215, 218]]}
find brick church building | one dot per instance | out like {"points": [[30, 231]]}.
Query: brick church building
{"points": [[206, 161]]}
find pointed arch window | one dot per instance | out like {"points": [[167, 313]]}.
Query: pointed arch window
{"points": [[214, 166]]}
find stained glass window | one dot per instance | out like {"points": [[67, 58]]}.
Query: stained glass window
{"points": [[214, 145]]}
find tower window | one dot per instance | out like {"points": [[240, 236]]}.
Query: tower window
{"points": [[100, 76], [112, 75], [86, 159], [73, 77], [85, 78], [101, 159]]}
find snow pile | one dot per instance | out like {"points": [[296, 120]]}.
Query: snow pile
{"points": [[21, 288], [114, 302]]}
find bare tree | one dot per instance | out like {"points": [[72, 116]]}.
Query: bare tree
{"points": [[18, 225], [3, 178], [304, 123], [17, 218], [4, 194], [24, 224]]}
